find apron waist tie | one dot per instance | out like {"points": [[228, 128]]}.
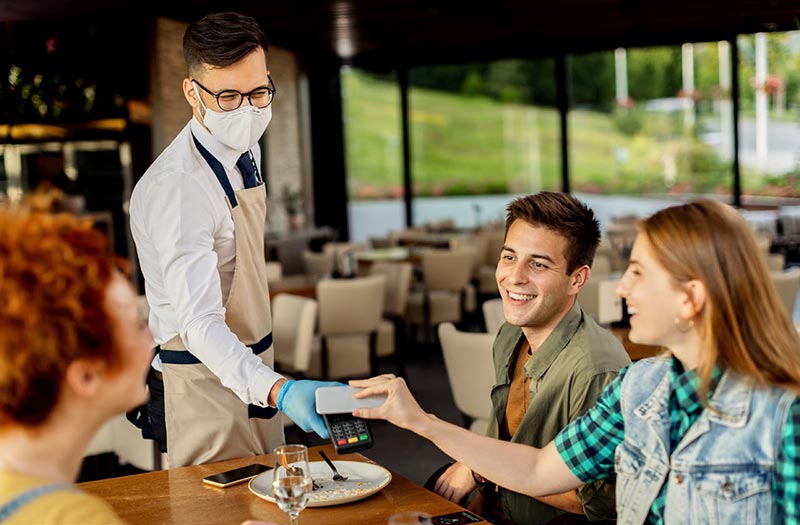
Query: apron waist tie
{"points": [[185, 357]]}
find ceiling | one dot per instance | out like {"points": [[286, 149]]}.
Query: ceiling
{"points": [[381, 33]]}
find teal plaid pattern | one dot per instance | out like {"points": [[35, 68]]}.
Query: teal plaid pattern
{"points": [[587, 444]]}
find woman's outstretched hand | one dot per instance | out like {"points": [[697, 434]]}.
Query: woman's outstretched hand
{"points": [[400, 407]]}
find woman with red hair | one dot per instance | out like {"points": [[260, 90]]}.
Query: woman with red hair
{"points": [[74, 352]]}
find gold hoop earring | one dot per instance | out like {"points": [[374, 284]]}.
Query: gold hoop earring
{"points": [[683, 327]]}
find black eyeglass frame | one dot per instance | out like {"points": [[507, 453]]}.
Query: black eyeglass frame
{"points": [[269, 87]]}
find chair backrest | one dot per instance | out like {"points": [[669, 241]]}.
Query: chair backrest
{"points": [[775, 262], [763, 241], [318, 264], [493, 315], [494, 245], [294, 320], [787, 284], [598, 299], [470, 369], [446, 269], [477, 245], [601, 265], [398, 284], [144, 307], [274, 271], [350, 306]]}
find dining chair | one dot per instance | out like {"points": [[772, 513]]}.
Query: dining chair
{"points": [[787, 283], [350, 312], [598, 299], [294, 320], [445, 276], [470, 372], [318, 264], [487, 283], [475, 247], [391, 330], [274, 271], [601, 266], [775, 262], [493, 316]]}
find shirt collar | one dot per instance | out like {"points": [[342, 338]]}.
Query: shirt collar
{"points": [[685, 385], [558, 339], [225, 155]]}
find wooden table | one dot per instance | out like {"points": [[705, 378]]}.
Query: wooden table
{"points": [[178, 496]]}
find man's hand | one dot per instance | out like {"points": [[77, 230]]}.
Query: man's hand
{"points": [[456, 483], [297, 400]]}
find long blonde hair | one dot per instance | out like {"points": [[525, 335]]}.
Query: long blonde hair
{"points": [[744, 325]]}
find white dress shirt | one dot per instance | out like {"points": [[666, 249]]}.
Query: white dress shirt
{"points": [[183, 232]]}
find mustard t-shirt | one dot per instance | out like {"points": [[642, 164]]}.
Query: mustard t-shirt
{"points": [[61, 507]]}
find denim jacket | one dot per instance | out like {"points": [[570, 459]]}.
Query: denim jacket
{"points": [[721, 470]]}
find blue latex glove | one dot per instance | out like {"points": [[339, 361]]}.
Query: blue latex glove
{"points": [[297, 400]]}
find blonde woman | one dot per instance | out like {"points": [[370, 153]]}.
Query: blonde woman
{"points": [[709, 432]]}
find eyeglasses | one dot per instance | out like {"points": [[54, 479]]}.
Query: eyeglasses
{"points": [[230, 99]]}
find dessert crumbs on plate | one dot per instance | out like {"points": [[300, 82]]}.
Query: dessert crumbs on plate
{"points": [[340, 489]]}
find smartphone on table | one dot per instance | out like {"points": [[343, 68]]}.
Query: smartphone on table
{"points": [[235, 476]]}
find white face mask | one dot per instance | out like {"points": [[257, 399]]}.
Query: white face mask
{"points": [[239, 129]]}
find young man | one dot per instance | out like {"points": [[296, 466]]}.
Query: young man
{"points": [[197, 218], [552, 361]]}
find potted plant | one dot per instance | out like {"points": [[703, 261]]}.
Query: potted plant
{"points": [[293, 202]]}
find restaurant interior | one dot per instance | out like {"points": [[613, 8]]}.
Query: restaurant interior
{"points": [[401, 130]]}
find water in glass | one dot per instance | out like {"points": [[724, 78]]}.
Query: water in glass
{"points": [[291, 481]]}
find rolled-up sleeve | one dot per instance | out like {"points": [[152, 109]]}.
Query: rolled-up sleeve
{"points": [[587, 444]]}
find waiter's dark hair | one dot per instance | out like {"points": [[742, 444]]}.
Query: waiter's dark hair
{"points": [[221, 39], [565, 215]]}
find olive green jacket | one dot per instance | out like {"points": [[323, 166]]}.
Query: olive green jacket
{"points": [[566, 375]]}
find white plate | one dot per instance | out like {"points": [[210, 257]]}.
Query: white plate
{"points": [[363, 480]]}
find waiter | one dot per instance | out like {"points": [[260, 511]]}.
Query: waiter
{"points": [[198, 216]]}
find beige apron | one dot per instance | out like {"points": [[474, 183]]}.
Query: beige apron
{"points": [[206, 421]]}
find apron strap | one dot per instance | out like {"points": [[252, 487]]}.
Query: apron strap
{"points": [[26, 497], [219, 172]]}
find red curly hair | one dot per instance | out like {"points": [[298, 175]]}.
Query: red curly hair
{"points": [[54, 272]]}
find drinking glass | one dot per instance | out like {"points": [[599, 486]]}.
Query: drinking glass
{"points": [[409, 518], [291, 481]]}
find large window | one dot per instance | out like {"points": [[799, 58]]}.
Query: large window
{"points": [[648, 121], [652, 124], [647, 127], [371, 108], [769, 101], [479, 134]]}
